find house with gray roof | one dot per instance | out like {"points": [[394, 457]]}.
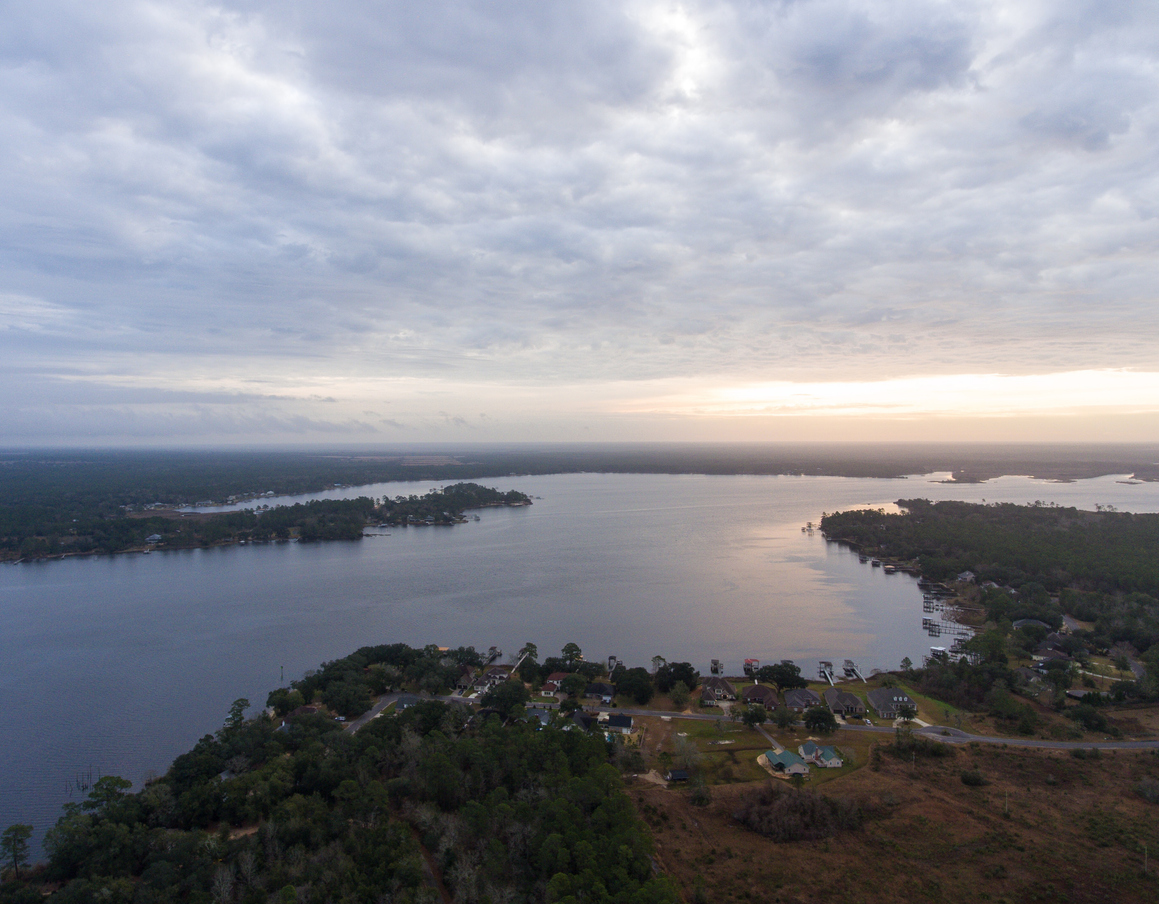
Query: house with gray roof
{"points": [[799, 699], [888, 701], [716, 690], [843, 703], [758, 693]]}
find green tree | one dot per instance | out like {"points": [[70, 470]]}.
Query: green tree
{"points": [[907, 664], [635, 683], [820, 719], [670, 673], [14, 845], [907, 712], [680, 694], [784, 717], [572, 653], [754, 715], [237, 713], [783, 676], [574, 685], [505, 696]]}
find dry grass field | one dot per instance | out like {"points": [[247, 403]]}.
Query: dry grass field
{"points": [[1045, 826]]}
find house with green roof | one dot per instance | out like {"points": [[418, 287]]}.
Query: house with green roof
{"points": [[818, 755], [786, 762]]}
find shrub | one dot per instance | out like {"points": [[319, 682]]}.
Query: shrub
{"points": [[790, 815], [1148, 789], [973, 778]]}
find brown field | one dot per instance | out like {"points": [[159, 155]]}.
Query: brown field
{"points": [[1074, 830]]}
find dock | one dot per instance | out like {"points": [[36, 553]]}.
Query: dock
{"points": [[826, 672], [851, 670]]}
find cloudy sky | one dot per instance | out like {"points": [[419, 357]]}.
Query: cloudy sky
{"points": [[384, 222]]}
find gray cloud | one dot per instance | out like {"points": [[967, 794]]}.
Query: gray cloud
{"points": [[525, 195]]}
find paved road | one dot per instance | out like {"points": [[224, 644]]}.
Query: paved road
{"points": [[382, 703], [935, 732]]}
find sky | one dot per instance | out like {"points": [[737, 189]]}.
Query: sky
{"points": [[392, 222]]}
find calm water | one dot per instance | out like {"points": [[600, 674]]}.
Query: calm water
{"points": [[120, 663]]}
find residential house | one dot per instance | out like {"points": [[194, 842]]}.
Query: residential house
{"points": [[618, 723], [715, 690], [466, 678], [786, 762], [551, 685], [758, 693], [843, 703], [602, 691], [888, 701], [539, 714], [406, 701], [1045, 654], [799, 699], [825, 757], [676, 775]]}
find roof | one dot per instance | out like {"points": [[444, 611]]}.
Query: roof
{"points": [[801, 697], [601, 688], [718, 686], [558, 676], [784, 759], [837, 697], [758, 693], [889, 699], [619, 720]]}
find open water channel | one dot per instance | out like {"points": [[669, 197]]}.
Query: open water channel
{"points": [[114, 665]]}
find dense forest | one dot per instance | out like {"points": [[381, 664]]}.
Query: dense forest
{"points": [[1011, 544], [294, 808], [1101, 567], [29, 532]]}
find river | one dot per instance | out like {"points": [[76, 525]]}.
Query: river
{"points": [[116, 664]]}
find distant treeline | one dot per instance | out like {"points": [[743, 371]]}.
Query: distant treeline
{"points": [[296, 809], [88, 481], [26, 532]]}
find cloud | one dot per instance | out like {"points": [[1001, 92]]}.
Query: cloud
{"points": [[200, 197]]}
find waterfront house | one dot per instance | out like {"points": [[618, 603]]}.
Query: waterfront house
{"points": [[758, 693], [601, 690], [888, 701], [799, 699], [825, 757], [843, 703], [551, 685], [715, 690]]}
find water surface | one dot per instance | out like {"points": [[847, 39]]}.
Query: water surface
{"points": [[117, 664]]}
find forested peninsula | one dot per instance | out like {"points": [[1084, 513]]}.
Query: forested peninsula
{"points": [[32, 532], [1028, 561]]}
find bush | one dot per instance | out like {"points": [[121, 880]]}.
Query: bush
{"points": [[1148, 789], [908, 745], [790, 815], [973, 778]]}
